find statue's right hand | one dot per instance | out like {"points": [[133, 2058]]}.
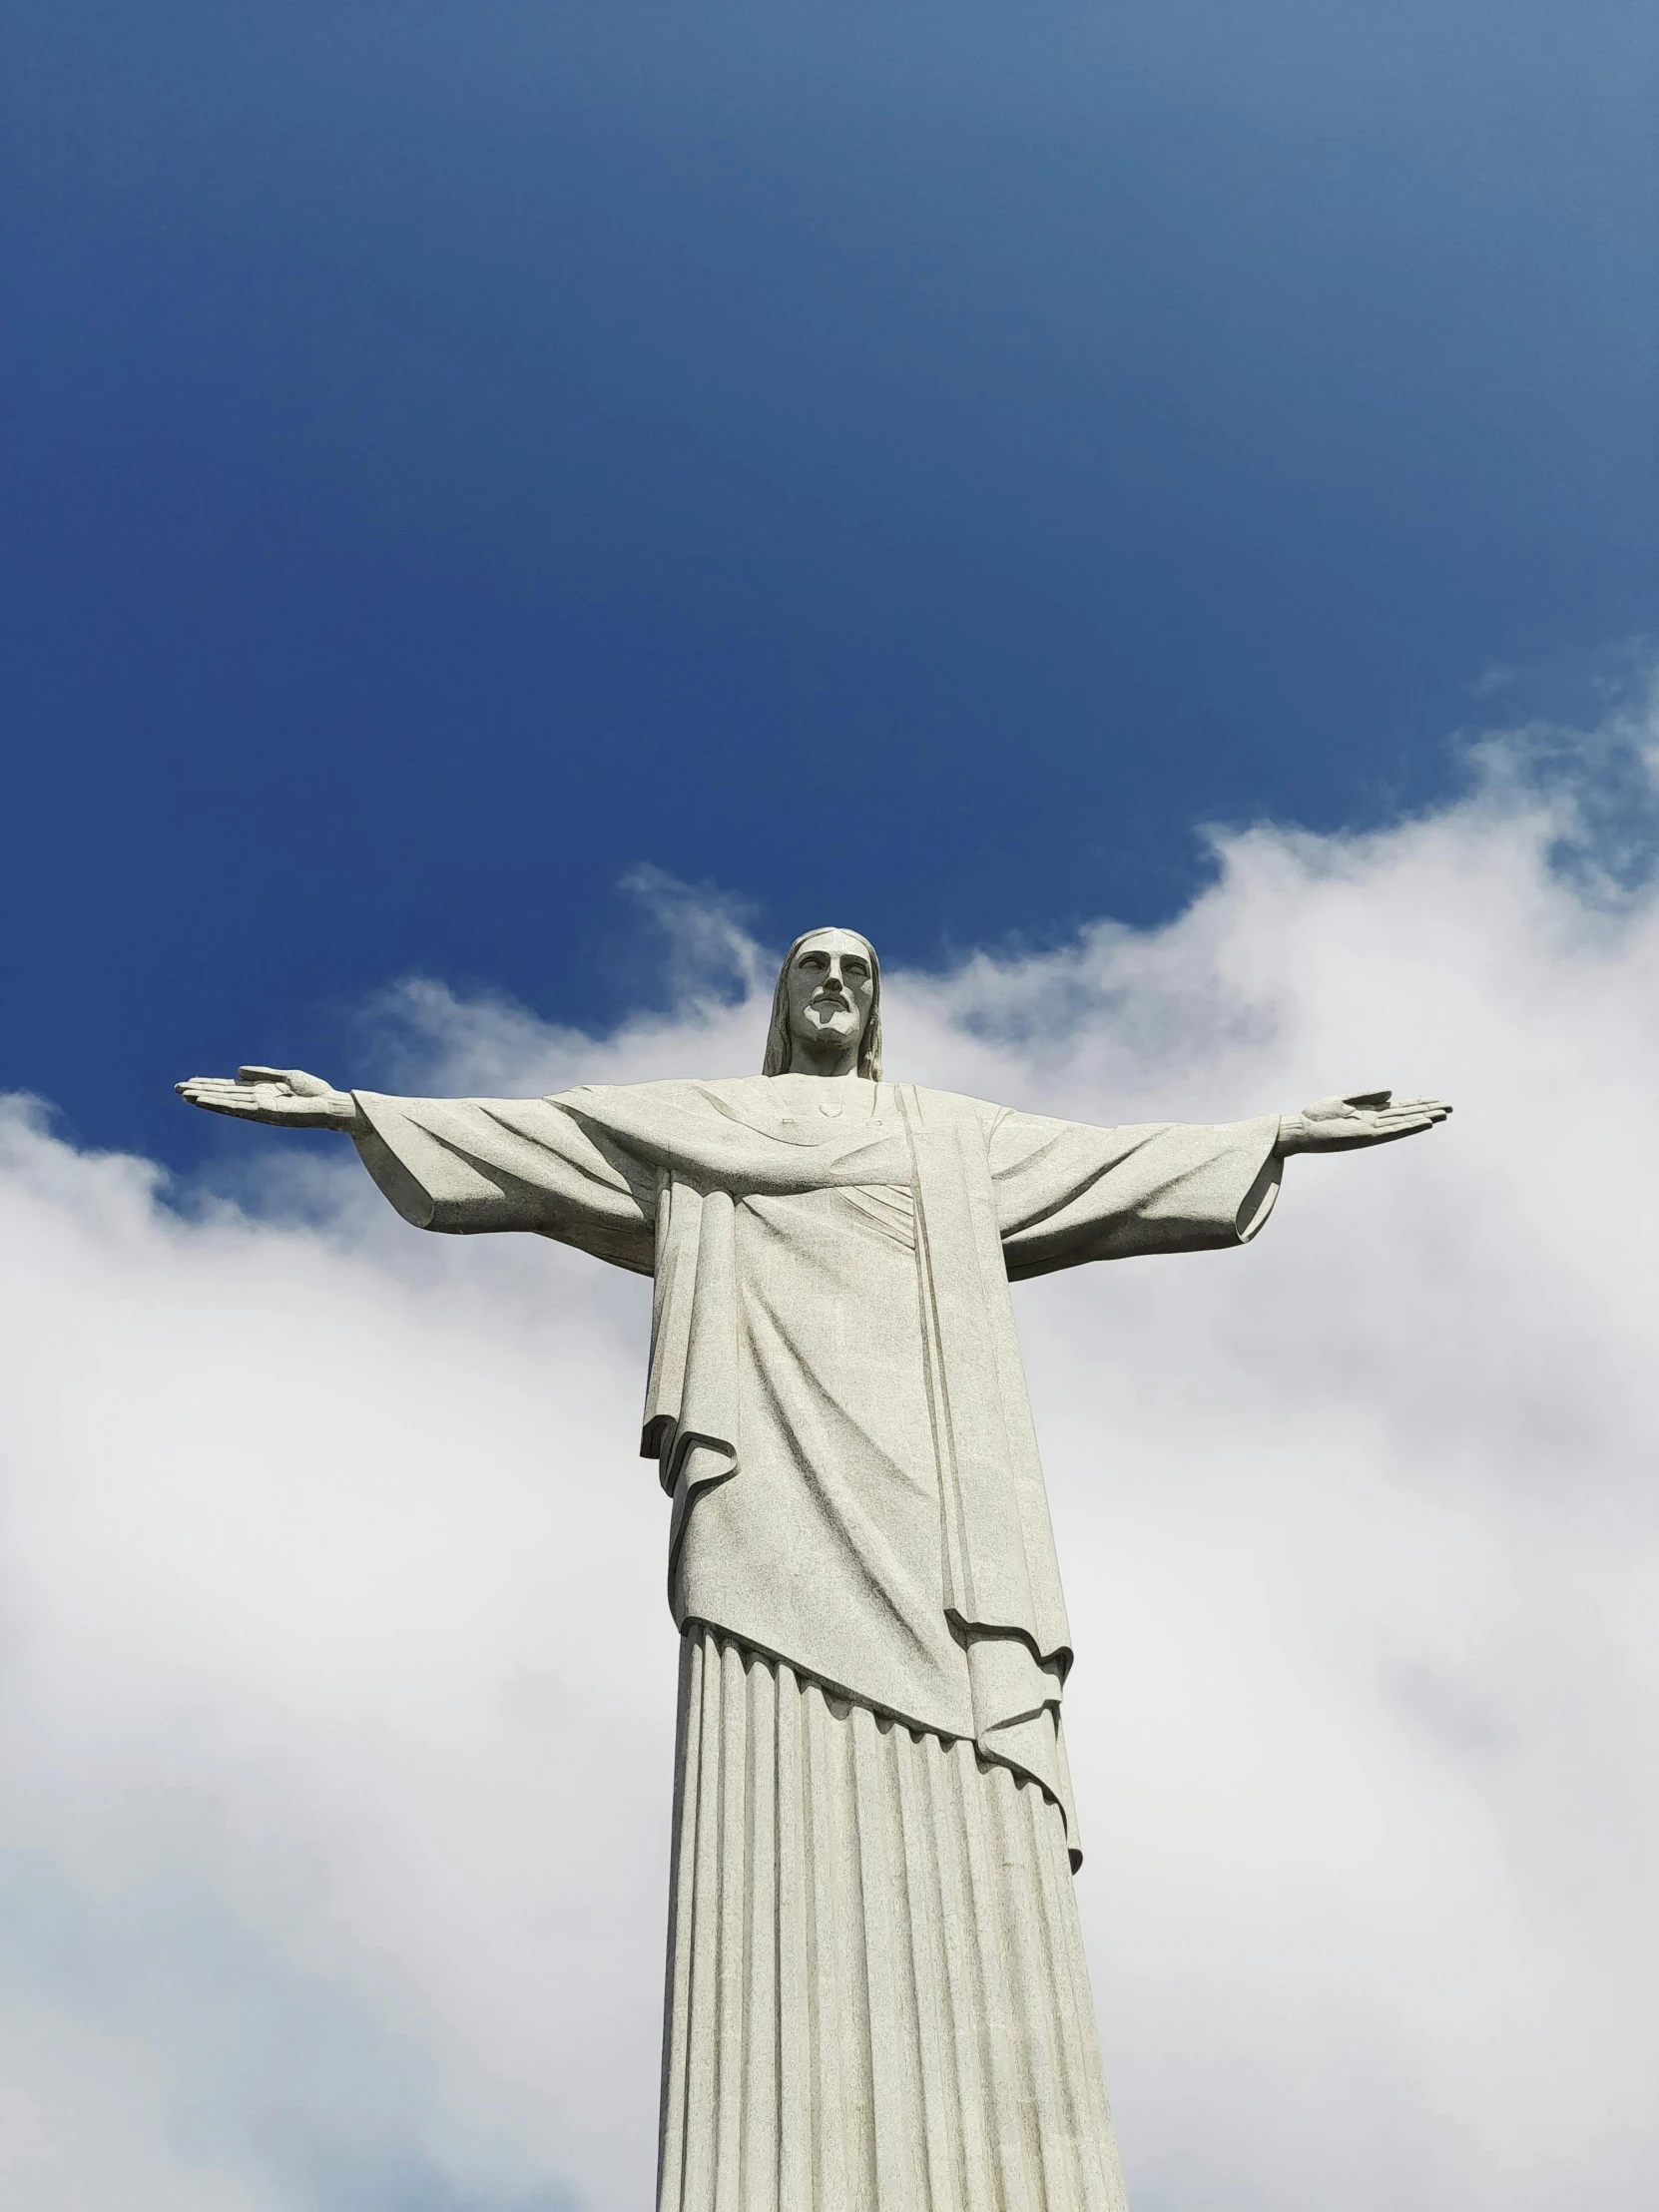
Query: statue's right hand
{"points": [[287, 1096]]}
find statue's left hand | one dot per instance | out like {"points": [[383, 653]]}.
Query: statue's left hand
{"points": [[1362, 1118], [287, 1096]]}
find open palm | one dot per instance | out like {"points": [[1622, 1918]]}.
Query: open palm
{"points": [[1356, 1119], [287, 1097]]}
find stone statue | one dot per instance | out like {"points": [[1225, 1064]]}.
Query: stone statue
{"points": [[876, 1993]]}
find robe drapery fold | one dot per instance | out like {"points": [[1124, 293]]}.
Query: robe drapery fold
{"points": [[836, 1403]]}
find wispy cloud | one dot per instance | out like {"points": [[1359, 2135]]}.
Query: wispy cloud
{"points": [[339, 1678]]}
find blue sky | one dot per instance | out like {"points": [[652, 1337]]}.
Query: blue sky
{"points": [[908, 465]]}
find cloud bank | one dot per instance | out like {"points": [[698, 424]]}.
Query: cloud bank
{"points": [[337, 1679]]}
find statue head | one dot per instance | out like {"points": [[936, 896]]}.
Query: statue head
{"points": [[826, 1007]]}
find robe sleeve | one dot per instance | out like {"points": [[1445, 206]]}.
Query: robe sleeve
{"points": [[1068, 1193], [470, 1166]]}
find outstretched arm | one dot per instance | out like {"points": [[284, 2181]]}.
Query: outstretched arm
{"points": [[465, 1166], [1068, 1193], [1351, 1123], [287, 1097]]}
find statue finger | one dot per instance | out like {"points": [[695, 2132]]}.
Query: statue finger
{"points": [[262, 1075], [227, 1099], [1367, 1099]]}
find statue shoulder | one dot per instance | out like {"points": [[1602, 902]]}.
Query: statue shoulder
{"points": [[954, 1108]]}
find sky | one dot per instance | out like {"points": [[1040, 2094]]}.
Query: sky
{"points": [[910, 464], [337, 1687], [509, 512]]}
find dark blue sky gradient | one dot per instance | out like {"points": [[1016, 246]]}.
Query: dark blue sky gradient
{"points": [[904, 463]]}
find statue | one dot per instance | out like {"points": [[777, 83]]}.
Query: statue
{"points": [[877, 1995]]}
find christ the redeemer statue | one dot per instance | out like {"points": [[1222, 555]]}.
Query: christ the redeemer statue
{"points": [[876, 1993]]}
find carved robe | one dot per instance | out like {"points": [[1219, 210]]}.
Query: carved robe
{"points": [[861, 1565]]}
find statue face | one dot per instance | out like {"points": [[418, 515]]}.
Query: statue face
{"points": [[830, 991]]}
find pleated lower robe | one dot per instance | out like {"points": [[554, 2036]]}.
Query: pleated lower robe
{"points": [[878, 1999]]}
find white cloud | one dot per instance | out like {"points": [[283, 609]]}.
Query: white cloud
{"points": [[338, 1678]]}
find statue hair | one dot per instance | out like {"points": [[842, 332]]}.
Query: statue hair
{"points": [[781, 1045]]}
